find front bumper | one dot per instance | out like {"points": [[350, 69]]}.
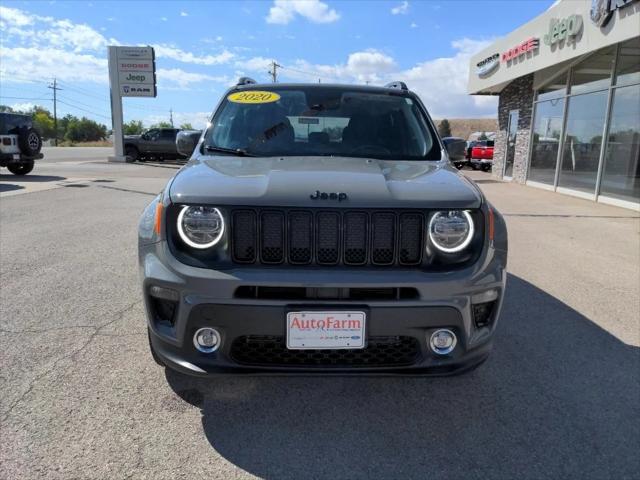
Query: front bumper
{"points": [[209, 298]]}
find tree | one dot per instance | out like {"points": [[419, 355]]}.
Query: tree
{"points": [[6, 109], [444, 129], [133, 127], [85, 130], [186, 126], [43, 122], [161, 125]]}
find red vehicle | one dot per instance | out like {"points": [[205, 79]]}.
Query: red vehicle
{"points": [[482, 155]]}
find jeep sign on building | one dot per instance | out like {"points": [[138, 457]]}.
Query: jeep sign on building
{"points": [[569, 100]]}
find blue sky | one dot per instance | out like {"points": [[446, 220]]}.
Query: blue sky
{"points": [[202, 48]]}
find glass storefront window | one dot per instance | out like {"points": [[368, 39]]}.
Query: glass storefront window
{"points": [[628, 68], [582, 141], [594, 72], [621, 176], [547, 127], [554, 89]]}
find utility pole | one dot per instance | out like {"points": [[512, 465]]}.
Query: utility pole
{"points": [[273, 72], [171, 116], [55, 88]]}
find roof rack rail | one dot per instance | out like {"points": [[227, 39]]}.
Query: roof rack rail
{"points": [[398, 85], [246, 81]]}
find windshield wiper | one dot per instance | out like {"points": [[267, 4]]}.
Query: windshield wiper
{"points": [[232, 151]]}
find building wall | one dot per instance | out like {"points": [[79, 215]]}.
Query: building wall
{"points": [[622, 26], [518, 95]]}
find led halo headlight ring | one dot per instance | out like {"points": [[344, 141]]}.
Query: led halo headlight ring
{"points": [[466, 241], [191, 243]]}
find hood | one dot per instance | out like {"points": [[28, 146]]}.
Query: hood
{"points": [[291, 181]]}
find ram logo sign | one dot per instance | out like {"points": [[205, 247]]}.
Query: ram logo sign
{"points": [[487, 66]]}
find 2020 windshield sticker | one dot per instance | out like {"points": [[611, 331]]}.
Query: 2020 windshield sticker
{"points": [[253, 96]]}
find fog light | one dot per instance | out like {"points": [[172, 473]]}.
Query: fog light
{"points": [[207, 340], [443, 341]]}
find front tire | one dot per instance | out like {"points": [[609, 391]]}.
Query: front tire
{"points": [[132, 153], [486, 168], [21, 168]]}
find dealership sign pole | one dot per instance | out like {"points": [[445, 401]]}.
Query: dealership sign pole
{"points": [[132, 73]]}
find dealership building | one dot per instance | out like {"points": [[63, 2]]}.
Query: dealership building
{"points": [[568, 84]]}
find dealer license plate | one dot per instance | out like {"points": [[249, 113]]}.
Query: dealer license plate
{"points": [[325, 330]]}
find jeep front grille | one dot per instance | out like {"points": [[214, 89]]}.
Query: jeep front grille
{"points": [[327, 237]]}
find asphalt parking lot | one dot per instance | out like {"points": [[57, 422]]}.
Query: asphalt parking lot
{"points": [[81, 397]]}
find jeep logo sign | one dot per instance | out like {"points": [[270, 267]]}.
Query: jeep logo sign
{"points": [[487, 66], [561, 30]]}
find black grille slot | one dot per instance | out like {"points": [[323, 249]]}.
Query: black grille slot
{"points": [[328, 238], [411, 231], [300, 237], [383, 226], [267, 350], [272, 236], [293, 236], [355, 238], [244, 236]]}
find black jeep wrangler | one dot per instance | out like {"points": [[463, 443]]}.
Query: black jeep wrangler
{"points": [[20, 143]]}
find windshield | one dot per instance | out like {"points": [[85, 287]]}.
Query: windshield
{"points": [[317, 121]]}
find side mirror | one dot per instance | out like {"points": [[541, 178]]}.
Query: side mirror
{"points": [[186, 141], [144, 136], [456, 148]]}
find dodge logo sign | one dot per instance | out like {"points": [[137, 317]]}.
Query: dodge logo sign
{"points": [[488, 65]]}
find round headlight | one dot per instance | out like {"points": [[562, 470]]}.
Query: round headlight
{"points": [[200, 227], [451, 231]]}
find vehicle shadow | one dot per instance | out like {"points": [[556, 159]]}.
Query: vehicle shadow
{"points": [[558, 398], [30, 178], [8, 187]]}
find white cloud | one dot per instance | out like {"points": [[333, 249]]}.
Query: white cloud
{"points": [[164, 19], [184, 80], [284, 11], [254, 64], [44, 63], [413, 25], [197, 120], [13, 16], [23, 107], [174, 53], [440, 82], [401, 9], [184, 14]]}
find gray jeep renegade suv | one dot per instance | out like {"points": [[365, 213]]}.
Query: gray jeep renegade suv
{"points": [[320, 228]]}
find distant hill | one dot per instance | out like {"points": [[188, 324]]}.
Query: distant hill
{"points": [[463, 127]]}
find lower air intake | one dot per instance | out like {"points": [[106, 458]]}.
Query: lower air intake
{"points": [[271, 351]]}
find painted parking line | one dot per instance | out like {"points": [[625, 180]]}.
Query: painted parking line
{"points": [[11, 185]]}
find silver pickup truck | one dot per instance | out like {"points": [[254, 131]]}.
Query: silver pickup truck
{"points": [[157, 144]]}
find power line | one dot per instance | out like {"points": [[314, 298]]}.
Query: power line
{"points": [[23, 98], [55, 89], [79, 103], [83, 109]]}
